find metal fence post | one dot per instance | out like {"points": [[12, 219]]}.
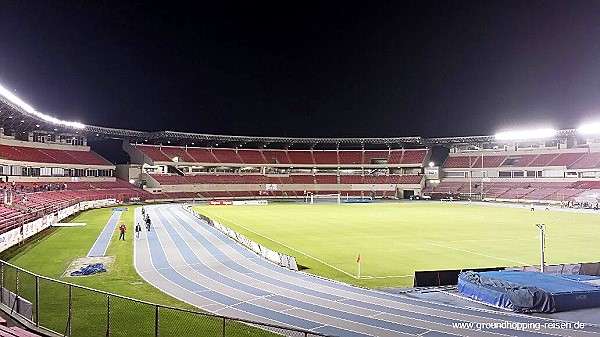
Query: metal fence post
{"points": [[70, 309], [156, 321], [224, 329], [107, 315], [2, 283], [17, 290], [37, 300]]}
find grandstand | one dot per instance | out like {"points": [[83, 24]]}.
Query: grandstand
{"points": [[528, 172], [52, 164], [276, 173]]}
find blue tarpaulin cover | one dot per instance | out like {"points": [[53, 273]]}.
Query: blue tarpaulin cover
{"points": [[89, 270], [522, 291]]}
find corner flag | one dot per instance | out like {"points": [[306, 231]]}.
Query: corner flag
{"points": [[358, 262]]}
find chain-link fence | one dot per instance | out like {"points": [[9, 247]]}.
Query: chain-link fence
{"points": [[76, 311]]}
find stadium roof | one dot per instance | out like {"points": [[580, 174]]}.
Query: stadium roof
{"points": [[18, 117]]}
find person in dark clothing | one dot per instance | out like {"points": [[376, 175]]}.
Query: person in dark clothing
{"points": [[138, 229]]}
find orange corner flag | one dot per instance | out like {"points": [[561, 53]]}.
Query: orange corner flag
{"points": [[358, 258]]}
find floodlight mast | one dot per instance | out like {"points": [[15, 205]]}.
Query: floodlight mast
{"points": [[542, 228], [589, 129], [470, 178], [482, 173], [526, 134]]}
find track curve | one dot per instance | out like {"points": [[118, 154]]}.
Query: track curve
{"points": [[192, 261]]}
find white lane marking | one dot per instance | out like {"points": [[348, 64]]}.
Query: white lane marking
{"points": [[284, 245]]}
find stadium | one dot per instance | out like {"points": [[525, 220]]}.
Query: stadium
{"points": [[268, 236]]}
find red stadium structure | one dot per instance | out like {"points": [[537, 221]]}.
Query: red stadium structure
{"points": [[46, 165]]}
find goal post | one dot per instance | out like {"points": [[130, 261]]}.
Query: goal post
{"points": [[335, 197]]}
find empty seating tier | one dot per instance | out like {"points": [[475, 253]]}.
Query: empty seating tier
{"points": [[276, 157], [587, 161], [325, 157], [413, 157], [350, 157], [301, 157], [228, 156], [54, 156], [252, 157]]}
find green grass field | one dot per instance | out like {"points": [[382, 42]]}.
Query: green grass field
{"points": [[395, 239], [50, 254]]}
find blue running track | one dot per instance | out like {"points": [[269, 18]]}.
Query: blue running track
{"points": [[188, 259], [101, 245]]}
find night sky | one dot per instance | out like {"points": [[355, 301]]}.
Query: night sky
{"points": [[306, 69]]}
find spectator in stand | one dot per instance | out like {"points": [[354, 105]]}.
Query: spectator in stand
{"points": [[122, 229]]}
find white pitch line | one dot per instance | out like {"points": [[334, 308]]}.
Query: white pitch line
{"points": [[294, 249], [475, 253], [391, 276]]}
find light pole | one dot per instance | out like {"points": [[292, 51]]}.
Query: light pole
{"points": [[482, 174], [470, 178], [542, 228]]}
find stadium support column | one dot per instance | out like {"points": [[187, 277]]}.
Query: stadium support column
{"points": [[542, 228]]}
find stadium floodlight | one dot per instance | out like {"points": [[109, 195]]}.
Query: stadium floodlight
{"points": [[589, 129], [30, 110], [526, 134], [431, 164]]}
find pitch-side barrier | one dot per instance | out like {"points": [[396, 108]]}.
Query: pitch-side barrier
{"points": [[281, 259]]}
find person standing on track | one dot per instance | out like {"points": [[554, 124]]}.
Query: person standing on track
{"points": [[122, 229], [138, 229]]}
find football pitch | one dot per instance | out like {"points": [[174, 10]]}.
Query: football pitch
{"points": [[396, 239]]}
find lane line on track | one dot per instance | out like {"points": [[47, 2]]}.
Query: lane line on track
{"points": [[284, 245], [298, 308], [247, 307]]}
